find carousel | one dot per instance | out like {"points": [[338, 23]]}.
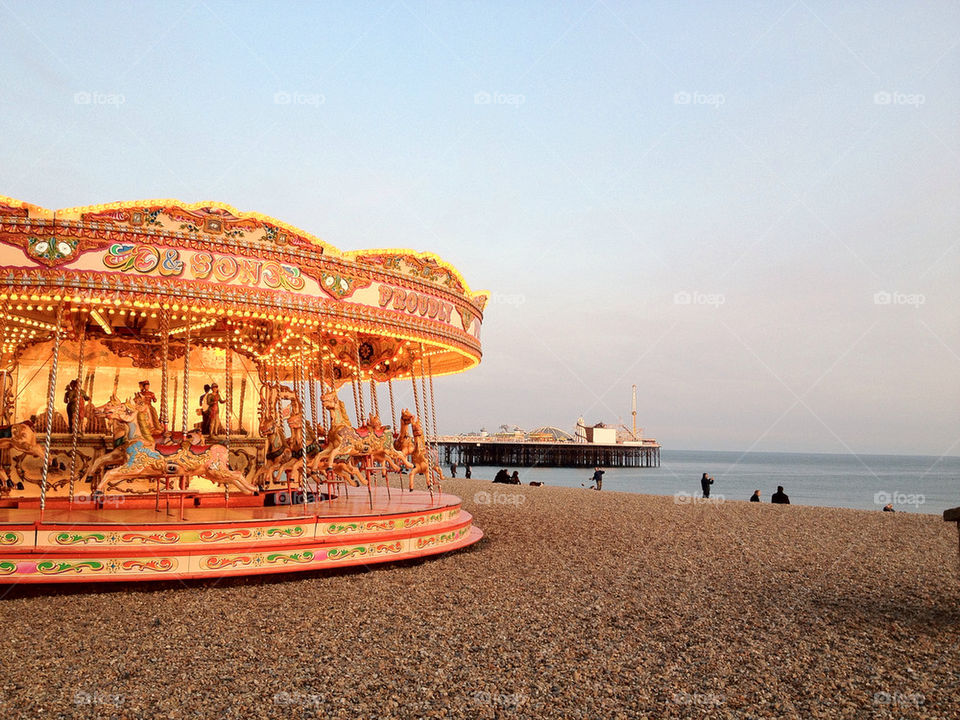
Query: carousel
{"points": [[189, 391]]}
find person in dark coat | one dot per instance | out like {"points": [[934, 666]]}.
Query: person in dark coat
{"points": [[515, 478], [453, 470], [597, 479], [705, 482], [502, 476], [755, 497], [780, 497], [468, 473]]}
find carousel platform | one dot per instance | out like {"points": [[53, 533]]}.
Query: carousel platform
{"points": [[196, 535]]}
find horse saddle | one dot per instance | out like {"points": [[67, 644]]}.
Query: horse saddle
{"points": [[167, 449]]}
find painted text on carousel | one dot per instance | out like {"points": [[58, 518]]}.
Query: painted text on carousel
{"points": [[415, 303], [170, 262]]}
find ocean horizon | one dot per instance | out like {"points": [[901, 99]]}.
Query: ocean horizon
{"points": [[926, 484]]}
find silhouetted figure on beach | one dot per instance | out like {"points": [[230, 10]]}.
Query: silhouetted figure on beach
{"points": [[597, 479], [515, 478], [453, 470], [755, 497], [888, 508], [780, 497], [468, 473], [502, 476], [705, 482]]}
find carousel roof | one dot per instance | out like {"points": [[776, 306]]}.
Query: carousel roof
{"points": [[125, 271]]}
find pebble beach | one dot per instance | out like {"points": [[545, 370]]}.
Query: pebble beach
{"points": [[577, 604]]}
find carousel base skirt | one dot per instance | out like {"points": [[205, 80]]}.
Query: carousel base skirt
{"points": [[191, 535]]}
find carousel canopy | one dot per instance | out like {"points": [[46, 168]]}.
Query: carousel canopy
{"points": [[128, 274]]}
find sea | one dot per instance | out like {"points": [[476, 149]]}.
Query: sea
{"points": [[911, 483]]}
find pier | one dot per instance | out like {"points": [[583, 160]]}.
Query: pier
{"points": [[529, 453]]}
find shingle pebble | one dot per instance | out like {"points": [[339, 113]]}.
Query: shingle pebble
{"points": [[577, 604]]}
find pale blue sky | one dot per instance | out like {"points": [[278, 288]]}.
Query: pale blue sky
{"points": [[778, 164]]}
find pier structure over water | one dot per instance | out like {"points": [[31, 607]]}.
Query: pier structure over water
{"points": [[529, 453]]}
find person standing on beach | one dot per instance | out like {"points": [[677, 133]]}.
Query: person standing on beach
{"points": [[780, 497], [598, 478], [705, 482], [755, 497], [453, 470], [468, 473]]}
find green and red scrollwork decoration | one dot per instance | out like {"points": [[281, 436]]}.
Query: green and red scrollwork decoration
{"points": [[159, 538], [347, 553], [11, 538], [223, 535], [60, 567], [227, 562]]}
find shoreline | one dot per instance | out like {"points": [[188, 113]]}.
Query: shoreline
{"points": [[916, 489]]}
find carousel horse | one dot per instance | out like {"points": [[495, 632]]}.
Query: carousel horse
{"points": [[294, 466], [415, 447], [278, 453], [343, 440], [383, 447], [283, 453], [20, 436], [381, 451], [143, 461], [118, 452]]}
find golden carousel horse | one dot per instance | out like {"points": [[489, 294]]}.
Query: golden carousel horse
{"points": [[278, 453], [118, 452], [144, 461], [383, 449], [19, 436], [415, 448], [344, 440]]}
